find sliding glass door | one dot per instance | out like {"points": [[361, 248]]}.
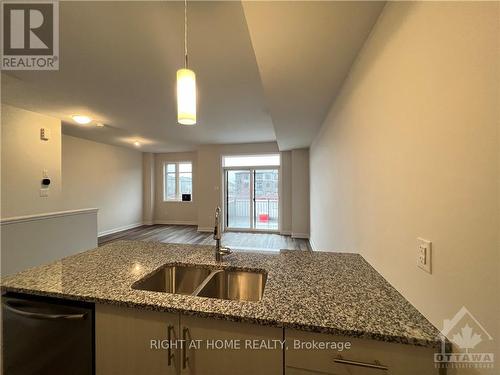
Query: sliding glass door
{"points": [[238, 197], [252, 199], [265, 199]]}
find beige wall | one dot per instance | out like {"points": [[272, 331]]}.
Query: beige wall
{"points": [[148, 187], [103, 176], [286, 192], [175, 212], [295, 193], [24, 157], [300, 193], [410, 149]]}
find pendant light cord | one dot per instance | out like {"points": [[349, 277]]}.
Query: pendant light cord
{"points": [[185, 35]]}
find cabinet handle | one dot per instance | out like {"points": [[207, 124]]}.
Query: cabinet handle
{"points": [[169, 338], [375, 365], [16, 308], [185, 358]]}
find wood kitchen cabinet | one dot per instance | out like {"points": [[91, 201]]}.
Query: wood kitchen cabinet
{"points": [[245, 360], [123, 347], [123, 344], [123, 341], [365, 357]]}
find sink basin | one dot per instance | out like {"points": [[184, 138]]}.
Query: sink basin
{"points": [[174, 279], [205, 282], [235, 285]]}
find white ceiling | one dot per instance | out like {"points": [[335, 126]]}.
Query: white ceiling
{"points": [[304, 51], [118, 62]]}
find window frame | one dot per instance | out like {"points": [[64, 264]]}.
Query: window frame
{"points": [[178, 195], [251, 165]]}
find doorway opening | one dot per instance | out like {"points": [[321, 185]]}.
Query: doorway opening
{"points": [[251, 192]]}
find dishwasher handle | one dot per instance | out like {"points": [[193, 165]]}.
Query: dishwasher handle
{"points": [[37, 315]]}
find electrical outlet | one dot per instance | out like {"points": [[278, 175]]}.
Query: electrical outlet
{"points": [[424, 254]]}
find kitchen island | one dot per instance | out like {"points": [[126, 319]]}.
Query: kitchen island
{"points": [[308, 297]]}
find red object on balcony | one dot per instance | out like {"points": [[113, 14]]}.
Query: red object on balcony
{"points": [[263, 218]]}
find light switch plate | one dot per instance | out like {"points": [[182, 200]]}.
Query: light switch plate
{"points": [[424, 254], [44, 134]]}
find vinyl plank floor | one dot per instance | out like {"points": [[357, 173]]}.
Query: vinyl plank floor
{"points": [[189, 234]]}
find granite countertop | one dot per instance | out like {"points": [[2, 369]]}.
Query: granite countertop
{"points": [[337, 293]]}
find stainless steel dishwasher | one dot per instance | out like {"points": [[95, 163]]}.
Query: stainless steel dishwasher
{"points": [[47, 336]]}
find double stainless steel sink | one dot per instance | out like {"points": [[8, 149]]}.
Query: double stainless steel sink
{"points": [[230, 284]]}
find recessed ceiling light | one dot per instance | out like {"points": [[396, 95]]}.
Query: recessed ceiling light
{"points": [[137, 144], [99, 125], [81, 119]]}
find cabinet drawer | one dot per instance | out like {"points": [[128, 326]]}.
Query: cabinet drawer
{"points": [[364, 357]]}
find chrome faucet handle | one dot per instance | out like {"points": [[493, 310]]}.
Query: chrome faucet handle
{"points": [[225, 251], [217, 224]]}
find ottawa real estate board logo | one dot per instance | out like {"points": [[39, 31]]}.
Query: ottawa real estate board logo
{"points": [[468, 337], [30, 35]]}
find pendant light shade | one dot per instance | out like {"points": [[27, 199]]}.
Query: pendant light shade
{"points": [[186, 97], [186, 85]]}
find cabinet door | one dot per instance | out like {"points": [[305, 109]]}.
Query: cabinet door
{"points": [[203, 355], [301, 371], [364, 357], [129, 341]]}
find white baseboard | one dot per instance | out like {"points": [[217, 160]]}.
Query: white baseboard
{"points": [[175, 222], [205, 229], [313, 246], [148, 223], [119, 229], [300, 235]]}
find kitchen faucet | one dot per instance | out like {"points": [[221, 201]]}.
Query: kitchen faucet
{"points": [[219, 250]]}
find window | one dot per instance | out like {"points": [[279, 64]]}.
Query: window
{"points": [[178, 181], [266, 160]]}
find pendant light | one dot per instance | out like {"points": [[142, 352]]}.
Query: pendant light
{"points": [[186, 86]]}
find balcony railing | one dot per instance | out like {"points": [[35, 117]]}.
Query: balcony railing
{"points": [[266, 212]]}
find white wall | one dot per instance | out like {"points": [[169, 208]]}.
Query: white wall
{"points": [[208, 179], [38, 239], [31, 234], [24, 157], [103, 176], [210, 175], [185, 213], [410, 148]]}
